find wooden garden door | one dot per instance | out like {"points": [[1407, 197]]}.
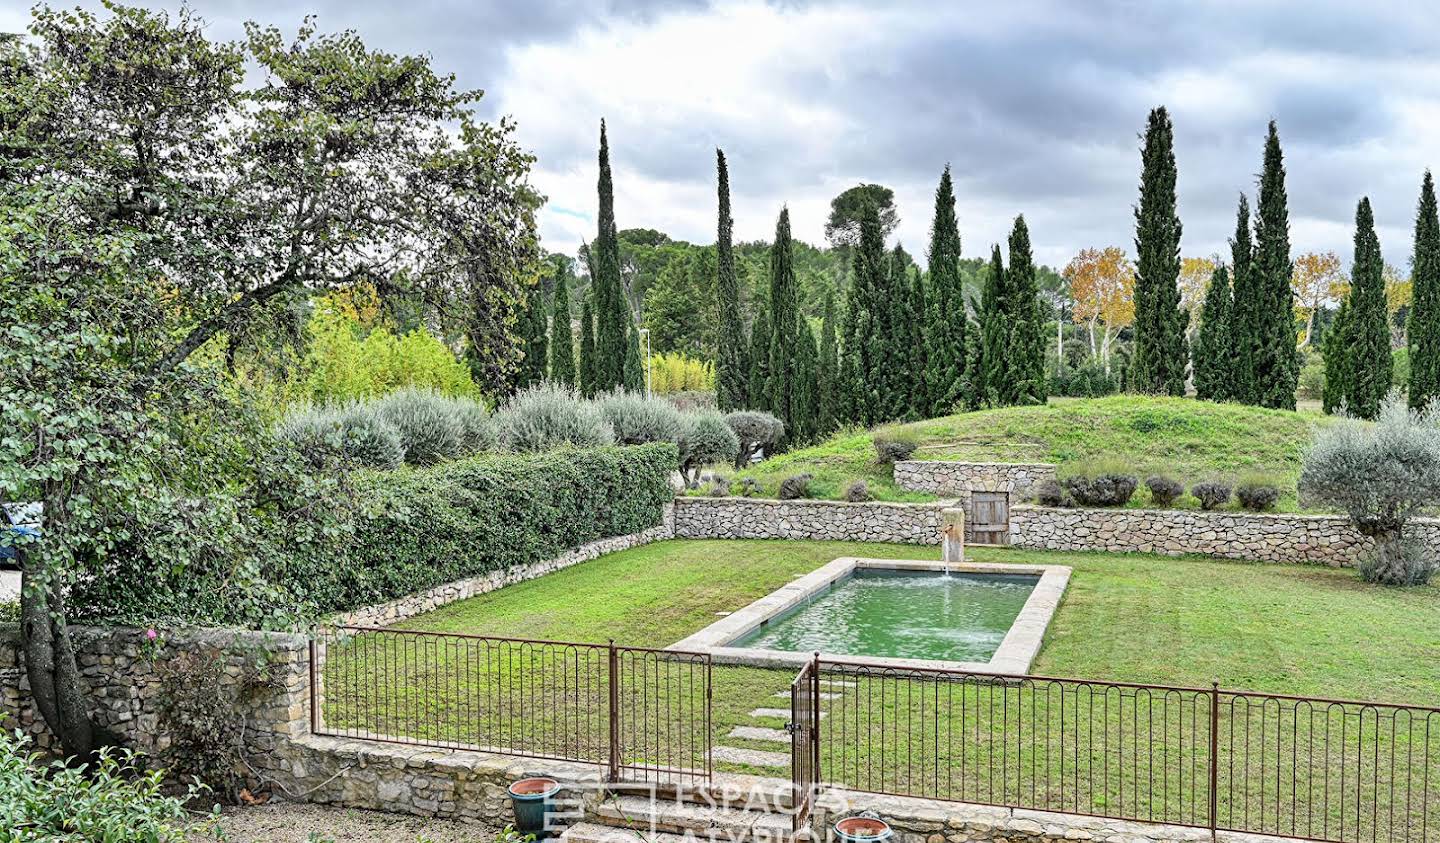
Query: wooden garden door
{"points": [[989, 518]]}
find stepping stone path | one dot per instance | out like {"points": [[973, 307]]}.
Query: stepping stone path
{"points": [[834, 689]]}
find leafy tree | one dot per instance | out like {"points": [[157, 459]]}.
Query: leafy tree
{"points": [[1318, 277], [1337, 361], [587, 375], [1424, 327], [1024, 379], [946, 318], [612, 314], [1367, 332], [674, 310], [633, 376], [562, 341], [1213, 357], [731, 354], [827, 376], [1102, 285], [785, 325], [1382, 476], [1276, 365], [1245, 310], [1160, 323], [534, 365], [848, 210], [1194, 281], [994, 333]]}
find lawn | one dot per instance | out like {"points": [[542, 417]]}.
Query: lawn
{"points": [[1186, 439], [1307, 631]]}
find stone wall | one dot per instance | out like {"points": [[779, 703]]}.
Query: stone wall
{"points": [[761, 518], [1265, 537], [384, 614], [958, 479]]}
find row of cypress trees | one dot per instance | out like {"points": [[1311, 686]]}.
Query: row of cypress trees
{"points": [[1245, 348]]}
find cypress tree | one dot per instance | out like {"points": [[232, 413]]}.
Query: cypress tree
{"points": [[533, 366], [589, 377], [946, 319], [1424, 327], [827, 410], [1244, 300], [784, 329], [633, 375], [803, 402], [562, 342], [1212, 344], [1160, 323], [731, 354], [917, 399], [994, 336], [867, 315], [1369, 333], [890, 377], [1025, 345], [759, 361], [612, 315], [1276, 365], [1337, 360]]}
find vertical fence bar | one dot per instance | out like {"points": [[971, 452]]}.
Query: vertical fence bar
{"points": [[314, 686], [1214, 758], [614, 773]]}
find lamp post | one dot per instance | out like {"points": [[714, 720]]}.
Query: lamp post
{"points": [[645, 335]]}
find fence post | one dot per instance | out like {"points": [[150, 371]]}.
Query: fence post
{"points": [[614, 773], [314, 687], [814, 723], [1214, 757]]}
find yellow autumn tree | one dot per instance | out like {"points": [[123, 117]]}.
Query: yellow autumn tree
{"points": [[1102, 285], [1316, 279], [1194, 280]]}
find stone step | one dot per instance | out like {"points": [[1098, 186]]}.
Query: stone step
{"points": [[783, 713], [667, 816], [759, 733], [750, 757], [588, 832], [739, 790]]}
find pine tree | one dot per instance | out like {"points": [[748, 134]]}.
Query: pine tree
{"points": [[1424, 327], [633, 376], [994, 334], [731, 354], [1337, 360], [1025, 344], [917, 399], [759, 361], [827, 374], [1160, 323], [562, 342], [1244, 339], [612, 315], [1213, 344], [784, 329], [946, 319], [1369, 333], [534, 365], [1277, 366], [589, 377]]}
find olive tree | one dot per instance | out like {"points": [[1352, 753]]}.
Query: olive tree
{"points": [[160, 191], [1381, 475]]}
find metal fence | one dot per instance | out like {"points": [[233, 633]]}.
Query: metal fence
{"points": [[642, 713], [1206, 757]]}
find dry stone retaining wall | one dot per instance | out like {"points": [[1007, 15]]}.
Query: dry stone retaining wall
{"points": [[761, 518], [941, 477]]}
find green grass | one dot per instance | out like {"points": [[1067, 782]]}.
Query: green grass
{"points": [[1187, 439], [1307, 631]]}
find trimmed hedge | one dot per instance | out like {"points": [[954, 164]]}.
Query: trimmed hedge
{"points": [[489, 513]]}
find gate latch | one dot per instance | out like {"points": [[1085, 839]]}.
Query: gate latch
{"points": [[793, 728]]}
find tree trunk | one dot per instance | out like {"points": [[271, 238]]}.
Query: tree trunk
{"points": [[55, 684]]}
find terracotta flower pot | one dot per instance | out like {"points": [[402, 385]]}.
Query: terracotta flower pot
{"points": [[863, 830]]}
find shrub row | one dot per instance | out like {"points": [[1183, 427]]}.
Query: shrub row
{"points": [[1108, 484]]}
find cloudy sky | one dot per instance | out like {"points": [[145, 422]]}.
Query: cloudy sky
{"points": [[1035, 105]]}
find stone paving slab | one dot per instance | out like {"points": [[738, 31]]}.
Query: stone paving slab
{"points": [[759, 733], [777, 712], [824, 695], [750, 757]]}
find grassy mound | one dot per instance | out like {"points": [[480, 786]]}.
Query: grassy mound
{"points": [[1186, 439]]}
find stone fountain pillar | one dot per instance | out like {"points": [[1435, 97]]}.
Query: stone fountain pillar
{"points": [[952, 535]]}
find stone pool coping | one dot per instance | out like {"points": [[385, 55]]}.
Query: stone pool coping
{"points": [[1013, 657]]}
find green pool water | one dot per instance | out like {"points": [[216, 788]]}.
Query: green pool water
{"points": [[901, 614]]}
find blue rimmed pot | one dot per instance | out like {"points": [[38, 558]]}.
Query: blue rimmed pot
{"points": [[863, 829], [532, 800]]}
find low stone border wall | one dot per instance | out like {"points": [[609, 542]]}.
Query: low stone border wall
{"points": [[763, 518], [941, 477], [384, 614], [1264, 537]]}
